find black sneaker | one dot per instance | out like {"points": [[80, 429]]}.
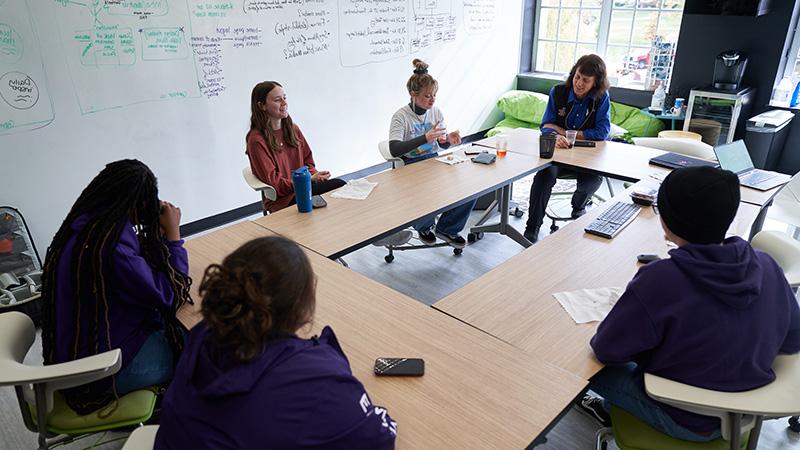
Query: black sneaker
{"points": [[593, 407], [427, 237], [576, 213], [531, 235], [454, 241]]}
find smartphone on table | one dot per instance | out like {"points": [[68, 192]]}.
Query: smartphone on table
{"points": [[402, 367], [318, 202]]}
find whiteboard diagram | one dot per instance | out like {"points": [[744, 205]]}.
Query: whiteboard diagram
{"points": [[479, 15], [434, 23], [122, 47], [374, 32], [25, 102]]}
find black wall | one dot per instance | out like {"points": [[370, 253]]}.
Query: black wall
{"points": [[702, 37]]}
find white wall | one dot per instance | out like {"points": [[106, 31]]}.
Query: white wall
{"points": [[168, 82]]}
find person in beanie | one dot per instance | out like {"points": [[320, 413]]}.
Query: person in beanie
{"points": [[713, 315]]}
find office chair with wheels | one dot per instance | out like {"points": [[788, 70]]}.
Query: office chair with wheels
{"points": [[559, 208], [739, 412], [267, 192], [400, 241], [142, 438], [37, 388]]}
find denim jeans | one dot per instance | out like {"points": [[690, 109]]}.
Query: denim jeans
{"points": [[451, 222], [151, 366], [619, 386]]}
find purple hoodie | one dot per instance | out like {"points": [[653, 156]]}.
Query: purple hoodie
{"points": [[712, 316], [298, 394], [136, 293]]}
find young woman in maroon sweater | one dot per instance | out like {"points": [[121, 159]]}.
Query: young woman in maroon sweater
{"points": [[276, 146]]}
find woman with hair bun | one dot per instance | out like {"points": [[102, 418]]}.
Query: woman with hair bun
{"points": [[417, 132], [247, 381]]}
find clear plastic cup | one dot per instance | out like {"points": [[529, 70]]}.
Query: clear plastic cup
{"points": [[571, 136], [501, 145]]}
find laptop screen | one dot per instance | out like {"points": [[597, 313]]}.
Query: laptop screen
{"points": [[734, 157]]}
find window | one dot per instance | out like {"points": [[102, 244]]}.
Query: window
{"points": [[636, 38]]}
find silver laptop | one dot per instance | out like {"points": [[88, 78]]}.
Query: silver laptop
{"points": [[735, 157]]}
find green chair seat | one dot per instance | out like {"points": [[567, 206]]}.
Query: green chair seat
{"points": [[134, 408], [631, 433]]}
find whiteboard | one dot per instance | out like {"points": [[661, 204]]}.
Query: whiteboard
{"points": [[87, 82]]}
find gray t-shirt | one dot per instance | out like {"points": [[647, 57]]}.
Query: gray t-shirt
{"points": [[407, 124]]}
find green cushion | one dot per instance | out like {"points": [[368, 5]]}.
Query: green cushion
{"points": [[510, 123], [523, 105], [525, 109], [638, 123], [631, 433], [134, 408]]}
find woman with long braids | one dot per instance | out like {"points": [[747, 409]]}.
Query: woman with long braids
{"points": [[114, 277]]}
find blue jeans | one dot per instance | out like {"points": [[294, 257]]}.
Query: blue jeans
{"points": [[451, 222], [619, 386], [151, 366]]}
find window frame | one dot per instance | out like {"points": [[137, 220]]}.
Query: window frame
{"points": [[602, 45]]}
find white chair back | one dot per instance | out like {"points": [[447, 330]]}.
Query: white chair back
{"points": [[383, 149], [777, 399], [258, 185], [786, 204], [683, 146], [17, 333], [142, 438]]}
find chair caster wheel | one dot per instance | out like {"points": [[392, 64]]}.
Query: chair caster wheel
{"points": [[388, 258], [458, 251], [553, 228], [794, 424], [472, 237], [518, 213]]}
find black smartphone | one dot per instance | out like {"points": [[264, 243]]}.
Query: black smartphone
{"points": [[318, 202], [472, 149], [647, 258], [584, 144], [402, 367]]}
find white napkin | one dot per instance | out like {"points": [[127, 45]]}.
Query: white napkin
{"points": [[589, 305], [358, 189], [454, 158]]}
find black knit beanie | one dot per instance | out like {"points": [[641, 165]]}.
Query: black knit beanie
{"points": [[698, 204]]}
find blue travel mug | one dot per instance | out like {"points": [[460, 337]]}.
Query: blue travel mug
{"points": [[301, 178]]}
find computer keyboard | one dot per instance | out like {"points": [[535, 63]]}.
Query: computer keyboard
{"points": [[613, 220], [755, 177]]}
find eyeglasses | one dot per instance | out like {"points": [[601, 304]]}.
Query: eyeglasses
{"points": [[655, 209]]}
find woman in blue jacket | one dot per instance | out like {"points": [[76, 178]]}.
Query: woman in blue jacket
{"points": [[580, 104], [247, 381]]}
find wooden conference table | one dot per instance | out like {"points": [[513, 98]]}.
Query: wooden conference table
{"points": [[430, 187], [400, 198], [477, 392], [613, 159], [525, 314]]}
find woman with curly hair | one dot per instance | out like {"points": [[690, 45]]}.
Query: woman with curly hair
{"points": [[247, 381]]}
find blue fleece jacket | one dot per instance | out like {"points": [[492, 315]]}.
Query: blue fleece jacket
{"points": [[712, 316], [297, 394]]}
